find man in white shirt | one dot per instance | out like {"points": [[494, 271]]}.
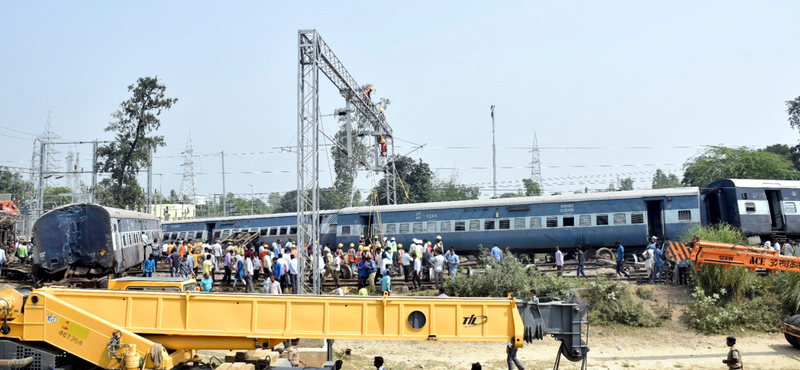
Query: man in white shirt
{"points": [[248, 275], [417, 272], [3, 260], [559, 262], [336, 267], [438, 268]]}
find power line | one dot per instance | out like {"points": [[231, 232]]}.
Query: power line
{"points": [[18, 131]]}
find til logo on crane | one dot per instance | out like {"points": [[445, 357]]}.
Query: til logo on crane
{"points": [[475, 320]]}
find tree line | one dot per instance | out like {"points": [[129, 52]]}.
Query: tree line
{"points": [[137, 121]]}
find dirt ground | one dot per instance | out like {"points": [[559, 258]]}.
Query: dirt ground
{"points": [[671, 346]]}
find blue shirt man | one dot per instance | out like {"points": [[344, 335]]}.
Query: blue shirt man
{"points": [[277, 269], [371, 267], [206, 283], [149, 266], [362, 269], [386, 283], [620, 253], [658, 256], [496, 253], [452, 264]]}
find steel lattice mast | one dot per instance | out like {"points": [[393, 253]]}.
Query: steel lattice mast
{"points": [[188, 182], [314, 55], [536, 163]]}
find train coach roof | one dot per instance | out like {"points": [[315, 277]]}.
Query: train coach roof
{"points": [[236, 218], [632, 194], [741, 183], [112, 212]]}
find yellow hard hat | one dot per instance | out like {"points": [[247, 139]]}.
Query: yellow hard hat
{"points": [[340, 245], [376, 237], [294, 246], [352, 245], [383, 141], [380, 110], [362, 236], [399, 246], [372, 88]]}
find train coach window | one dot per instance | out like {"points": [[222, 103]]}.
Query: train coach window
{"points": [[474, 225], [619, 219], [403, 228], [552, 222], [790, 207], [585, 220], [461, 226], [750, 207], [198, 235], [685, 215], [216, 234], [391, 228], [283, 231], [601, 220], [488, 225], [504, 224], [293, 230], [430, 227], [444, 226], [273, 231], [519, 223], [536, 222], [264, 231], [417, 227], [568, 221], [331, 229], [376, 229], [345, 230], [638, 218]]}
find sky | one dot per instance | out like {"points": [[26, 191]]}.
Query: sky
{"points": [[611, 89]]}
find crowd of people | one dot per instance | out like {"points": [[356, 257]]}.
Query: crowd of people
{"points": [[275, 266]]}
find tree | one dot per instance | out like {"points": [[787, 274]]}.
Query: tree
{"points": [[414, 182], [532, 188], [329, 198], [57, 196], [510, 195], [12, 183], [793, 110], [718, 163], [446, 190], [137, 118], [662, 181], [626, 184], [346, 167]]}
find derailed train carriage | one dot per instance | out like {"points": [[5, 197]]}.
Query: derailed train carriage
{"points": [[90, 240]]}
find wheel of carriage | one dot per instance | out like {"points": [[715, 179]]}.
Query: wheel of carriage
{"points": [[590, 253], [606, 254], [345, 272]]}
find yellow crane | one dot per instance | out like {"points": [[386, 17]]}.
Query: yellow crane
{"points": [[116, 329]]}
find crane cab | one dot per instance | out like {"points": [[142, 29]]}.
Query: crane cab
{"points": [[154, 284]]}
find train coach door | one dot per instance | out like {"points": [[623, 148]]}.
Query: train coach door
{"points": [[366, 222], [209, 235], [774, 199], [655, 218]]}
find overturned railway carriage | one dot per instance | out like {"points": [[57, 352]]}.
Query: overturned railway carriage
{"points": [[90, 240], [761, 209], [269, 227], [532, 224]]}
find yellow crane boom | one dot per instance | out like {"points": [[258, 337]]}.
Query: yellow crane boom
{"points": [[113, 329]]}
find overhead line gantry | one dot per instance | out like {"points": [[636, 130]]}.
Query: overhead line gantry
{"points": [[314, 55]]}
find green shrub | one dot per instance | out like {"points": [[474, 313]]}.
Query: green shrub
{"points": [[721, 233], [787, 283], [644, 293], [709, 315], [614, 303]]}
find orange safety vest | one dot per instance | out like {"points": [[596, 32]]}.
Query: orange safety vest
{"points": [[400, 254], [183, 250]]}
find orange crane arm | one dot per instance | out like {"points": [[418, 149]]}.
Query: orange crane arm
{"points": [[737, 255]]}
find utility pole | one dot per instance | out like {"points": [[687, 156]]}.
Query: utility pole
{"points": [[41, 177], [94, 170], [150, 183], [252, 200], [224, 202], [494, 158]]}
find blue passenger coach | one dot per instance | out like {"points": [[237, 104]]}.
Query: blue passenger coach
{"points": [[270, 227], [762, 209], [528, 224]]}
